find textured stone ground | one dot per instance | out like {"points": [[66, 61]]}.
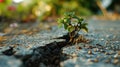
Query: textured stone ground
{"points": [[103, 49], [42, 49]]}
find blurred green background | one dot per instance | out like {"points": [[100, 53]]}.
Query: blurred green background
{"points": [[32, 10]]}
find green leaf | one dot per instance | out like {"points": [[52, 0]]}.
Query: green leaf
{"points": [[71, 28], [69, 14], [81, 19], [65, 20], [84, 24], [65, 26], [60, 21], [85, 29]]}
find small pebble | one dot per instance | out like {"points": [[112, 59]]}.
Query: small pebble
{"points": [[93, 60], [106, 53], [118, 52], [89, 60], [96, 60], [107, 61], [101, 39], [116, 56], [89, 47], [116, 61], [89, 52], [96, 49], [79, 48], [74, 55], [102, 51]]}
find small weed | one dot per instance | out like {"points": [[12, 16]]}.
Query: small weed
{"points": [[73, 24]]}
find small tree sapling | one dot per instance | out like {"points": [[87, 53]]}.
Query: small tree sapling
{"points": [[73, 24]]}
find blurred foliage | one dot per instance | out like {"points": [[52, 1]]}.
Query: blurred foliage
{"points": [[31, 10]]}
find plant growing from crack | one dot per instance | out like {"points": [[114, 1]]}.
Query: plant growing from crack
{"points": [[73, 24]]}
